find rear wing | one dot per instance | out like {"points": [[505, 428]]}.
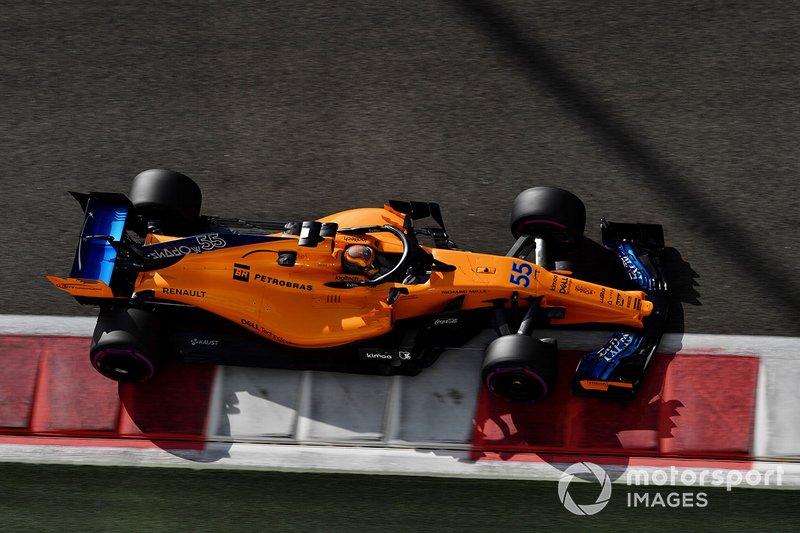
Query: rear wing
{"points": [[92, 271]]}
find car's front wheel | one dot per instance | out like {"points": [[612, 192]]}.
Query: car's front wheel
{"points": [[520, 368], [548, 210]]}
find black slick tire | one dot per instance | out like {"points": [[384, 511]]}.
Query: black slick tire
{"points": [[520, 368], [125, 345]]}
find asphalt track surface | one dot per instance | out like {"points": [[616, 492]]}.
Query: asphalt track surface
{"points": [[43, 498], [682, 113]]}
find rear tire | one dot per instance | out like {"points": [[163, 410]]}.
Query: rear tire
{"points": [[125, 345], [519, 368], [167, 198]]}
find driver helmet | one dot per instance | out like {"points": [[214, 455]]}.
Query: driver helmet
{"points": [[359, 259]]}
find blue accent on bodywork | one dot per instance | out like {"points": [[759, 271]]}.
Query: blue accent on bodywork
{"points": [[104, 223], [196, 244], [626, 354], [601, 363], [634, 267]]}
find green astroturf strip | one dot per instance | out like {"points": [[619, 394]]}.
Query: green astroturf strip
{"points": [[87, 498]]}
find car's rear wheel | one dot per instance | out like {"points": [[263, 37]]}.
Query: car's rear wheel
{"points": [[548, 211], [166, 201], [125, 345], [520, 368]]}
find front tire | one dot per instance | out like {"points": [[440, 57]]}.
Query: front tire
{"points": [[125, 345], [550, 211], [519, 368]]}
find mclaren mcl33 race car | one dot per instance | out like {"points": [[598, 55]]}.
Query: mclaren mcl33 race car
{"points": [[357, 291]]}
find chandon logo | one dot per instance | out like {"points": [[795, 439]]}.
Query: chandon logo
{"points": [[600, 476]]}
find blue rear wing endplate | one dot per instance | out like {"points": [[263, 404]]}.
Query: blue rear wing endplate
{"points": [[103, 225]]}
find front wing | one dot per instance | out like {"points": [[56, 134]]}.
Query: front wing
{"points": [[617, 369]]}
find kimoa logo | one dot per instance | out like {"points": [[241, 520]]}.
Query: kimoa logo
{"points": [[377, 355], [600, 476]]}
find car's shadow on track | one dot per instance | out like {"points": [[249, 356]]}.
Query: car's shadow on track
{"points": [[599, 265], [565, 429], [172, 411]]}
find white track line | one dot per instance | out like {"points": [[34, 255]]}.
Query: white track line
{"points": [[763, 346], [342, 460], [66, 326]]}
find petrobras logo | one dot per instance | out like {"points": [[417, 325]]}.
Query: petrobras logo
{"points": [[241, 272], [596, 475]]}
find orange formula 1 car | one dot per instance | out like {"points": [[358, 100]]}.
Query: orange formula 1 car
{"points": [[355, 291]]}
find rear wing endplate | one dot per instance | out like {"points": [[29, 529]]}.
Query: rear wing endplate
{"points": [[103, 225], [104, 217]]}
